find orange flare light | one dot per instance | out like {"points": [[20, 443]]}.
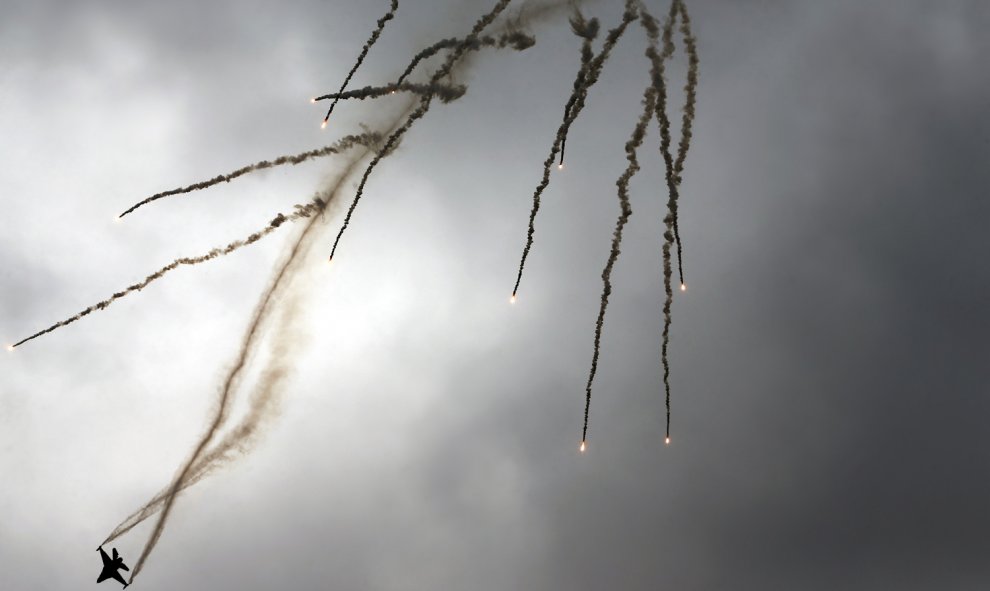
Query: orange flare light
{"points": [[683, 287], [666, 440], [10, 347], [583, 446], [560, 166], [324, 124], [313, 100], [512, 299]]}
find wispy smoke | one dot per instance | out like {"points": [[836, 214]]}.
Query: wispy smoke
{"points": [[300, 211], [364, 51], [424, 106], [639, 132], [445, 92], [202, 461], [687, 121], [515, 39], [345, 143], [577, 100], [588, 31]]}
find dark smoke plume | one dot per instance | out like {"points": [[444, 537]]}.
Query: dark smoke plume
{"points": [[639, 132], [344, 144], [364, 51], [445, 92], [424, 106], [588, 31], [687, 121], [515, 39], [301, 211], [592, 73]]}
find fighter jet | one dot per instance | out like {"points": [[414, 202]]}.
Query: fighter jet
{"points": [[111, 566]]}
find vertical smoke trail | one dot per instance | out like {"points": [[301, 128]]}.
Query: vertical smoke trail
{"points": [[345, 143], [424, 106], [301, 211], [364, 52], [587, 30], [248, 345], [690, 98], [580, 95], [639, 132]]}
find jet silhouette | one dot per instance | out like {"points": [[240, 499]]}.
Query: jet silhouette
{"points": [[111, 566]]}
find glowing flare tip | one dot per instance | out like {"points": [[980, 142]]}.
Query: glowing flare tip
{"points": [[683, 287], [666, 440], [313, 100], [512, 299], [10, 347], [560, 166], [324, 124], [583, 447]]}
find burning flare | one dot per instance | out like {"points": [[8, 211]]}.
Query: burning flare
{"points": [[583, 446], [512, 299]]}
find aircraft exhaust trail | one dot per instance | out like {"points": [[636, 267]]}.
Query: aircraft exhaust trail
{"points": [[301, 211], [593, 71], [635, 141], [342, 145], [424, 106], [271, 376], [364, 52]]}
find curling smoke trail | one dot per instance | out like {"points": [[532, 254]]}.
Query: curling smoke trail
{"points": [[639, 132], [344, 144], [272, 377], [301, 211], [364, 52], [424, 106], [580, 95], [445, 92], [687, 121], [587, 30], [518, 41]]}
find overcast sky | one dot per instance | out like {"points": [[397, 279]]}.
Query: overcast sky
{"points": [[829, 360]]}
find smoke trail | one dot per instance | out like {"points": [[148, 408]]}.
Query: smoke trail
{"points": [[580, 95], [364, 52], [587, 30], [687, 121], [301, 211], [649, 104], [271, 377], [424, 106], [445, 92], [344, 144], [518, 41]]}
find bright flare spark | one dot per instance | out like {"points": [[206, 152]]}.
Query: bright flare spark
{"points": [[330, 260], [313, 100], [666, 441], [324, 124], [512, 299], [117, 220], [560, 166], [683, 287], [10, 347], [582, 447]]}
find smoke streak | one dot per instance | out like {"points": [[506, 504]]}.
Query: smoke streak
{"points": [[271, 377], [579, 97], [445, 92], [639, 132], [518, 41], [687, 121], [424, 106], [301, 211], [588, 31], [344, 144], [364, 52]]}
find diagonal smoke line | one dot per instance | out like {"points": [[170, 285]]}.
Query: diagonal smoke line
{"points": [[588, 31], [580, 95], [301, 211], [364, 52], [345, 143], [635, 141], [424, 106], [518, 41]]}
